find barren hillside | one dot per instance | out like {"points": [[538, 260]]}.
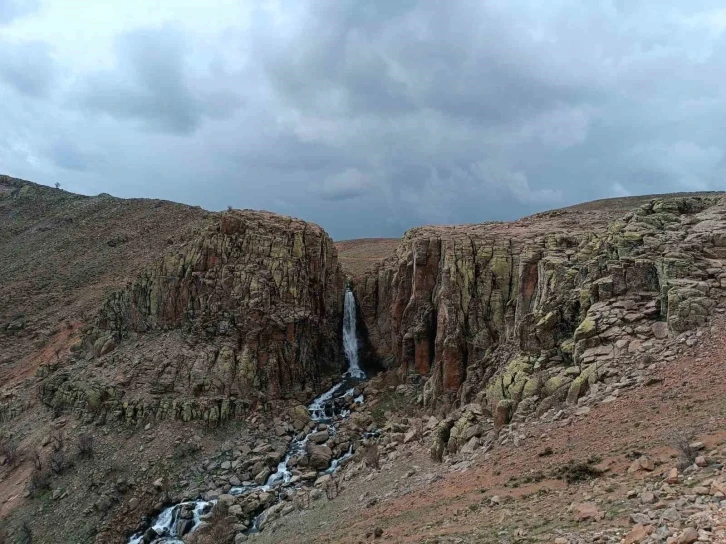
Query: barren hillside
{"points": [[553, 379]]}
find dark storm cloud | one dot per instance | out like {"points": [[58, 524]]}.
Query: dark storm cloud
{"points": [[371, 117], [27, 67], [456, 58], [151, 84]]}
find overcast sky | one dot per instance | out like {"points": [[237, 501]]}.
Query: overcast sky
{"points": [[367, 117]]}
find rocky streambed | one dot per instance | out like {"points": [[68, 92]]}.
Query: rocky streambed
{"points": [[315, 453], [307, 459]]}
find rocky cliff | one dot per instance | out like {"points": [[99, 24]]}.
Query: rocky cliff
{"points": [[249, 310], [523, 315]]}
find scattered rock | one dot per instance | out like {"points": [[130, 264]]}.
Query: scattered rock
{"points": [[637, 534], [689, 536], [587, 511], [642, 463]]}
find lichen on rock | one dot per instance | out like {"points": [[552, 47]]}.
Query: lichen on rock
{"points": [[500, 313]]}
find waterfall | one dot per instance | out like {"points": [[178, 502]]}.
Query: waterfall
{"points": [[350, 338], [330, 408]]}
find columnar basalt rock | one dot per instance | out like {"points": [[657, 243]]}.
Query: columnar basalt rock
{"points": [[544, 307], [249, 310]]}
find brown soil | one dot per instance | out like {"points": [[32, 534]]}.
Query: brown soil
{"points": [[691, 397], [63, 253]]}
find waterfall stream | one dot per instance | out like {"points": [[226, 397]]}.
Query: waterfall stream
{"points": [[350, 337], [324, 409]]}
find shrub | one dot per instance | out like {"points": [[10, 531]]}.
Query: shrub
{"points": [[39, 482], [332, 488], [58, 462], [85, 445], [9, 450], [26, 534], [219, 531], [371, 456], [681, 442]]}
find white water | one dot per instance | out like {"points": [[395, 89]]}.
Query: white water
{"points": [[165, 523], [323, 409], [350, 337]]}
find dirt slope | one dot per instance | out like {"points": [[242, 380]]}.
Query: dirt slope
{"points": [[508, 493], [62, 254]]}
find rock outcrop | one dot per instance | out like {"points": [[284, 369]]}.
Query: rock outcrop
{"points": [[248, 311], [522, 315]]}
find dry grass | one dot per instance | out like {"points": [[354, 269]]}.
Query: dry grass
{"points": [[681, 442], [332, 488], [357, 256], [372, 456], [219, 531]]}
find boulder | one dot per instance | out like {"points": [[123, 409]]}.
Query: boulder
{"points": [[642, 463], [319, 457], [320, 437], [637, 534], [587, 511], [262, 476]]}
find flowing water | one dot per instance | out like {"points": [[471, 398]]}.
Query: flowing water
{"points": [[350, 337], [327, 409]]}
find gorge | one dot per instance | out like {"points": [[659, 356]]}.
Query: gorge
{"points": [[231, 361]]}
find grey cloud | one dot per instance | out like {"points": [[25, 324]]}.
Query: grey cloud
{"points": [[27, 67], [371, 117], [151, 85], [65, 154], [457, 58], [349, 184], [448, 87]]}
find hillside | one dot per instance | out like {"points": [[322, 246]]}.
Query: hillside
{"points": [[530, 376], [127, 313], [62, 253]]}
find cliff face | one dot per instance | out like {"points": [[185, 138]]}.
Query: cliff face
{"points": [[521, 315], [247, 311]]}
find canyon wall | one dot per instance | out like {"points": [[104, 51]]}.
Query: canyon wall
{"points": [[519, 316], [247, 311]]}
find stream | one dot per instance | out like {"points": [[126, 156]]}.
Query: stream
{"points": [[327, 409]]}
